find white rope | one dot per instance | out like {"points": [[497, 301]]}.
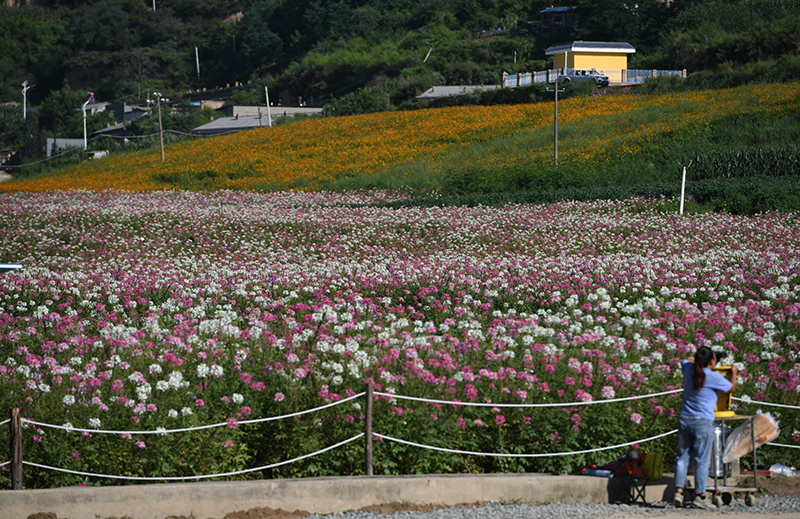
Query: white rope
{"points": [[4, 464], [783, 445], [543, 455], [5, 422], [552, 404], [205, 476], [759, 402], [199, 427]]}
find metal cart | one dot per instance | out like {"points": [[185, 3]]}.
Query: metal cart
{"points": [[723, 494]]}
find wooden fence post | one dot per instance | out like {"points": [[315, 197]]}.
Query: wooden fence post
{"points": [[368, 431], [16, 450]]}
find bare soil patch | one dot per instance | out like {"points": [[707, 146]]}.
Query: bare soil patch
{"points": [[774, 485]]}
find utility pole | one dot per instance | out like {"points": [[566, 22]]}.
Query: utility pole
{"points": [[269, 114], [25, 89], [89, 99], [160, 126]]}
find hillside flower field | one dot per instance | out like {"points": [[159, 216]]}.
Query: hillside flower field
{"points": [[421, 147], [161, 310]]}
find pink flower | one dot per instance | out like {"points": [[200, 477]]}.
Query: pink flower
{"points": [[636, 418], [228, 444], [607, 392], [199, 403], [461, 423], [76, 454], [279, 397], [233, 423], [576, 421], [141, 444], [478, 422], [500, 419]]}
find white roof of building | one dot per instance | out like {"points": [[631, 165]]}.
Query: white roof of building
{"points": [[591, 46]]}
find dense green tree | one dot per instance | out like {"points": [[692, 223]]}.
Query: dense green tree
{"points": [[60, 112], [260, 47]]}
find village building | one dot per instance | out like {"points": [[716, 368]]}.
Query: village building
{"points": [[610, 58]]}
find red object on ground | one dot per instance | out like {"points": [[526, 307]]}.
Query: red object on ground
{"points": [[760, 472]]}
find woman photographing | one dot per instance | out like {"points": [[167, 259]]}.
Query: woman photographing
{"points": [[696, 422]]}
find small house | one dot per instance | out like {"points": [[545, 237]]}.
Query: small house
{"points": [[560, 17], [610, 58]]}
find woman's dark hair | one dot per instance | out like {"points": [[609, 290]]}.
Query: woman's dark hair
{"points": [[701, 359]]}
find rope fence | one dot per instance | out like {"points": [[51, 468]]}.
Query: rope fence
{"points": [[203, 476], [509, 455], [783, 445], [759, 402], [16, 423], [197, 428], [549, 404]]}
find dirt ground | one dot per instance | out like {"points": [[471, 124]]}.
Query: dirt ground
{"points": [[774, 485]]}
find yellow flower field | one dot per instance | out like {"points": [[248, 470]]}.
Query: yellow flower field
{"points": [[306, 154]]}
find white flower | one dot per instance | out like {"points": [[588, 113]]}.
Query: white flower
{"points": [[161, 431], [68, 399], [203, 371], [237, 398], [172, 413], [176, 380], [94, 423], [187, 411]]}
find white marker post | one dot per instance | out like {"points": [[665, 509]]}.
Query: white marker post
{"points": [[683, 187], [269, 114], [683, 190]]}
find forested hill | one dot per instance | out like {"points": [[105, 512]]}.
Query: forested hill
{"points": [[319, 49]]}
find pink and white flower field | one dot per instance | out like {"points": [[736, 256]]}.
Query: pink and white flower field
{"points": [[166, 310]]}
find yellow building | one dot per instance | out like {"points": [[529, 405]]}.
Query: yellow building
{"points": [[610, 58]]}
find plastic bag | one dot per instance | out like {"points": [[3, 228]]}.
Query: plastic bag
{"points": [[740, 440], [653, 466], [782, 470]]}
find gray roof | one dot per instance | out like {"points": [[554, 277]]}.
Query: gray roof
{"points": [[590, 46], [232, 124], [436, 92]]}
